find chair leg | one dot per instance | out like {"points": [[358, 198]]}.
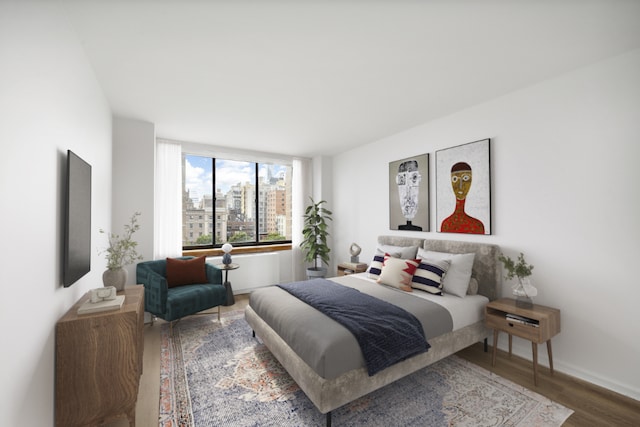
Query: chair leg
{"points": [[173, 322], [219, 307]]}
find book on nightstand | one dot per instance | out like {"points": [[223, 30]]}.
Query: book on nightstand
{"points": [[354, 266], [523, 320], [89, 307]]}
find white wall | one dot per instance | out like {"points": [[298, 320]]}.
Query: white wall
{"points": [[50, 101], [565, 176], [134, 145]]}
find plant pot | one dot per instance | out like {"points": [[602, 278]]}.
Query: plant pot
{"points": [[316, 273], [116, 277]]}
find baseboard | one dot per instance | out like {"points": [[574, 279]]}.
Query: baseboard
{"points": [[524, 351]]}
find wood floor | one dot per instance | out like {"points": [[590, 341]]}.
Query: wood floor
{"points": [[593, 406]]}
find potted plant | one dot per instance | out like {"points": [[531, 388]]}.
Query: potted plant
{"points": [[523, 290], [121, 252], [314, 238]]}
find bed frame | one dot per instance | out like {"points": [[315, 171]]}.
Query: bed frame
{"points": [[330, 394]]}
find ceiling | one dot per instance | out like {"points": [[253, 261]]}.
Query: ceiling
{"points": [[310, 78]]}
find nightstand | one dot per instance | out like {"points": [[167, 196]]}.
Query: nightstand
{"points": [[537, 324], [345, 268]]}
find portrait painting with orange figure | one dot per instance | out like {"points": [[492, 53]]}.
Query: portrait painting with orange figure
{"points": [[463, 189]]}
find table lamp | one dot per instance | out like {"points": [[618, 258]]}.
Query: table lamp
{"points": [[226, 258]]}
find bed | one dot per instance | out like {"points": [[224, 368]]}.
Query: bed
{"points": [[323, 357]]}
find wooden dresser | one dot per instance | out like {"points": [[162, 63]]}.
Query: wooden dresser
{"points": [[99, 362]]}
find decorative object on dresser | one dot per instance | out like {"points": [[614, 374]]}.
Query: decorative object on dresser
{"points": [[99, 362], [226, 258], [524, 291], [345, 268], [121, 252], [409, 194], [102, 299], [463, 189], [314, 238], [537, 324], [355, 250]]}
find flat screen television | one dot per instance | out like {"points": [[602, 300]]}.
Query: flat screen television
{"points": [[77, 243]]}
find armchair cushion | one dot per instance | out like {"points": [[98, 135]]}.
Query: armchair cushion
{"points": [[186, 271]]}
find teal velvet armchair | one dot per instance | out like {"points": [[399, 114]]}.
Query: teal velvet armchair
{"points": [[172, 303]]}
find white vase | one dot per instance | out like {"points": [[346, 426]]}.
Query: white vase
{"points": [[116, 277]]}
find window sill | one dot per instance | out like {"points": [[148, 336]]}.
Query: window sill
{"points": [[238, 250]]}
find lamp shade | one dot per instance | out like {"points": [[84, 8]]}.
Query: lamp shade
{"points": [[226, 258]]}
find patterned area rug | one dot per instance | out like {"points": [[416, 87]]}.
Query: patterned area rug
{"points": [[217, 374]]}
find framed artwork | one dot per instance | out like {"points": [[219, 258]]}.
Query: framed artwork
{"points": [[409, 194], [463, 189]]}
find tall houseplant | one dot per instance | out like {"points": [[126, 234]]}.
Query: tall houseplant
{"points": [[314, 237], [121, 252]]}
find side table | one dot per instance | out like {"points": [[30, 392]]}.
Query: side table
{"points": [[537, 324], [226, 267]]}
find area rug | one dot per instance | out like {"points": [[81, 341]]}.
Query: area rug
{"points": [[217, 374]]}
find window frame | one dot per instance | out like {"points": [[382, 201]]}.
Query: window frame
{"points": [[215, 247]]}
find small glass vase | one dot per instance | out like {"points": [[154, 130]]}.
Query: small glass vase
{"points": [[524, 292]]}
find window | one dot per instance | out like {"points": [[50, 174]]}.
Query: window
{"points": [[250, 201]]}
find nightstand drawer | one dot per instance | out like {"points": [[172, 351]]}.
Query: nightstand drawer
{"points": [[500, 322]]}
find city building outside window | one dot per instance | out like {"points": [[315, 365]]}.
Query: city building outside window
{"points": [[244, 203]]}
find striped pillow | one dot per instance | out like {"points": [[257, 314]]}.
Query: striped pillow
{"points": [[376, 265], [429, 274]]}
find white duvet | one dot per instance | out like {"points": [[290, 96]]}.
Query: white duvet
{"points": [[464, 311]]}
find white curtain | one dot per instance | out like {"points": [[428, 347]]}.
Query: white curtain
{"points": [[168, 200], [301, 191]]}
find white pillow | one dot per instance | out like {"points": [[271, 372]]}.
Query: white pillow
{"points": [[404, 252], [456, 281]]}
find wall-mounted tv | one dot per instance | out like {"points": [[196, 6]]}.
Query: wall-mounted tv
{"points": [[77, 244]]}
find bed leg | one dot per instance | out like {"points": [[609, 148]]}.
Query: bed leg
{"points": [[254, 335], [486, 346], [329, 419]]}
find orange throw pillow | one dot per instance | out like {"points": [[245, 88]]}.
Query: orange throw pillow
{"points": [[186, 271]]}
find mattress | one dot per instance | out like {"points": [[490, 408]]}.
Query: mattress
{"points": [[329, 348]]}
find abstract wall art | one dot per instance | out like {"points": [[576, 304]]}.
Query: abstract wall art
{"points": [[463, 189], [409, 194]]}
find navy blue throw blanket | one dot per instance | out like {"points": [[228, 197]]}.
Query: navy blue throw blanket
{"points": [[387, 334]]}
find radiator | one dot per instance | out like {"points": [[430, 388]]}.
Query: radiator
{"points": [[256, 270]]}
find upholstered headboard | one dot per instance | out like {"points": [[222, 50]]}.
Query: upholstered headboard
{"points": [[486, 267]]}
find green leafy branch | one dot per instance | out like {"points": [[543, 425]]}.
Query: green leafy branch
{"points": [[122, 250], [518, 269]]}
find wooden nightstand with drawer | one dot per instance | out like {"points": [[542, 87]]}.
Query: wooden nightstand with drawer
{"points": [[537, 324]]}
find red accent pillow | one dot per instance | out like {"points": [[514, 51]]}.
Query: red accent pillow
{"points": [[186, 271]]}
